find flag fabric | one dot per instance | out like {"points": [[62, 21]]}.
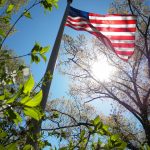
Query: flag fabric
{"points": [[116, 31]]}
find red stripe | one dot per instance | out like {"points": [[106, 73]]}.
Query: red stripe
{"points": [[81, 25], [113, 21], [108, 29], [124, 45], [117, 37], [121, 37], [126, 53], [75, 20], [73, 27]]}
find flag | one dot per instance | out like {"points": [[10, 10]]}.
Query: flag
{"points": [[116, 31]]}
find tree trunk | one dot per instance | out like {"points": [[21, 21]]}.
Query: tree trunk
{"points": [[146, 126], [147, 132]]}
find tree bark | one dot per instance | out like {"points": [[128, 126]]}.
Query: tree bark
{"points": [[146, 126]]}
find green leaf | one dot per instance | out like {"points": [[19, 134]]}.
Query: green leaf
{"points": [[2, 2], [2, 33], [33, 113], [90, 129], [2, 97], [145, 147], [82, 134], [120, 144], [27, 14], [105, 128], [7, 94], [25, 99], [97, 120], [43, 57], [56, 5], [2, 147], [6, 19], [32, 58], [36, 59], [44, 49], [11, 100], [3, 134], [48, 4], [13, 116], [28, 86], [18, 118], [21, 67], [28, 147], [114, 137], [36, 48], [10, 8], [12, 146], [35, 101], [124, 145], [63, 148], [55, 114], [9, 81]]}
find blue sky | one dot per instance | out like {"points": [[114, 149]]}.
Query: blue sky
{"points": [[43, 28]]}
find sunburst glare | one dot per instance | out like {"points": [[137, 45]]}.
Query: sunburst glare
{"points": [[102, 70]]}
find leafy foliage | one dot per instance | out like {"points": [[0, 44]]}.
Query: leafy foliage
{"points": [[14, 108], [48, 4], [27, 14], [37, 51], [19, 103], [93, 129]]}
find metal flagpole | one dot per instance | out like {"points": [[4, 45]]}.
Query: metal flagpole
{"points": [[50, 68], [52, 61]]}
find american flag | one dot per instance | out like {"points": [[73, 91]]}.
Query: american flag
{"points": [[117, 32]]}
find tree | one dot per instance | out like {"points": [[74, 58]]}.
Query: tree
{"points": [[8, 8], [124, 88], [21, 103], [76, 126], [130, 86], [129, 130], [11, 70], [61, 113]]}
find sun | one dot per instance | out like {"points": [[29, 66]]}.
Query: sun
{"points": [[102, 70]]}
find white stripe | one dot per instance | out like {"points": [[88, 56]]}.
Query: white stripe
{"points": [[124, 49], [77, 23], [107, 18], [122, 41], [105, 25], [75, 18], [114, 25], [112, 18], [106, 33], [119, 33], [123, 56]]}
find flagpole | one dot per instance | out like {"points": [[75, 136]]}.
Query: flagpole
{"points": [[52, 61], [47, 83]]}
